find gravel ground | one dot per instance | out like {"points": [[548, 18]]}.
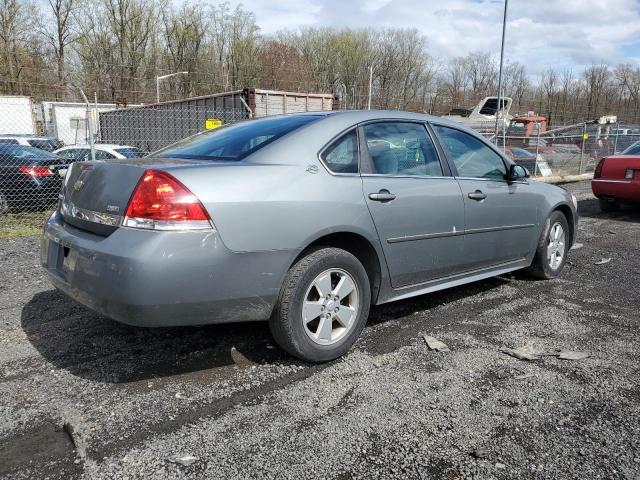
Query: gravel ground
{"points": [[82, 396]]}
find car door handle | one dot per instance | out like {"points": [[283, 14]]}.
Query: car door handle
{"points": [[382, 196], [477, 195]]}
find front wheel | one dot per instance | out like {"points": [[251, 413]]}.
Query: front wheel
{"points": [[323, 305], [553, 246]]}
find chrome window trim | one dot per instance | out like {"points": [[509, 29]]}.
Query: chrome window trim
{"points": [[331, 142]]}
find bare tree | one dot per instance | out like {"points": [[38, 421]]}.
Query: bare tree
{"points": [[59, 34]]}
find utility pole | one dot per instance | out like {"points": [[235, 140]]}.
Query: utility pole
{"points": [[504, 26], [162, 77], [370, 85]]}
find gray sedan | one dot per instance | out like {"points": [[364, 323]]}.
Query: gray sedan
{"points": [[302, 220]]}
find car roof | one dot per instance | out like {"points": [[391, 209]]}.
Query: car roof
{"points": [[97, 146]]}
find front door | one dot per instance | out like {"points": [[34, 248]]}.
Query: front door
{"points": [[500, 216], [415, 203]]}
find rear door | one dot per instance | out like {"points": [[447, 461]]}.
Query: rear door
{"points": [[414, 201], [500, 216]]}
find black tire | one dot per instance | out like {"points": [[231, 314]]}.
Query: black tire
{"points": [[540, 267], [286, 322], [608, 205]]}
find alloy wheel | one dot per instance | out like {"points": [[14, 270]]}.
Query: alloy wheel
{"points": [[330, 306], [556, 247]]}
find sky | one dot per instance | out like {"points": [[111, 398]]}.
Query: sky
{"points": [[564, 34]]}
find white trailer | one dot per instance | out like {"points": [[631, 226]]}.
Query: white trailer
{"points": [[17, 116], [67, 121]]}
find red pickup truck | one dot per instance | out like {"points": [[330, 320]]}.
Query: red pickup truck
{"points": [[616, 179]]}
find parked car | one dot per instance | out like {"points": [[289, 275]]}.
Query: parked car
{"points": [[616, 179], [43, 143], [103, 151], [522, 157], [304, 220], [28, 178]]}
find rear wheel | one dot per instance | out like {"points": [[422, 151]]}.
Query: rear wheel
{"points": [[553, 246], [323, 305], [608, 205]]}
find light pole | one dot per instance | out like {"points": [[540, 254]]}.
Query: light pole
{"points": [[370, 86], [504, 26], [162, 77]]}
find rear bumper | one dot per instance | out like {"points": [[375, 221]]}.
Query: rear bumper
{"points": [[159, 279], [626, 190]]}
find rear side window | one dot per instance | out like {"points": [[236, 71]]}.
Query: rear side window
{"points": [[401, 148], [471, 157], [8, 141], [129, 152], [103, 155], [235, 142], [342, 155]]}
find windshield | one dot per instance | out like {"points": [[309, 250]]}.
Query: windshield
{"points": [[633, 149], [236, 141], [129, 152]]}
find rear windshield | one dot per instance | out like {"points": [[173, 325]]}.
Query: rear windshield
{"points": [[129, 152], [236, 141], [43, 144], [21, 151], [633, 149]]}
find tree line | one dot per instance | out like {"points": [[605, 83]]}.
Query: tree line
{"points": [[116, 48]]}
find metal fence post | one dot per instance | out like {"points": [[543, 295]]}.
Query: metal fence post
{"points": [[535, 168], [615, 142], [89, 125], [584, 132]]}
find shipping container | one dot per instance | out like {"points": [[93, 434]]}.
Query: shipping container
{"points": [[18, 116]]}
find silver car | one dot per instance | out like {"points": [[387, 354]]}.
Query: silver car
{"points": [[303, 220]]}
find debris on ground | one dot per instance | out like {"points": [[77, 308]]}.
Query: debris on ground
{"points": [[480, 452], [435, 344], [576, 246], [181, 396], [603, 261], [572, 355], [185, 460], [526, 352]]}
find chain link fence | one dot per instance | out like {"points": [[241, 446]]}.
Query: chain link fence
{"points": [[32, 165], [150, 128]]}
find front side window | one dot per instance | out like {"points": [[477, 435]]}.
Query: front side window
{"points": [[401, 148], [471, 156], [342, 155], [8, 141]]}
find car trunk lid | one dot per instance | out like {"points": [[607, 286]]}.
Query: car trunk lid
{"points": [[95, 194]]}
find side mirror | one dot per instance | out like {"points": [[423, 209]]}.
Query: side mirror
{"points": [[517, 172]]}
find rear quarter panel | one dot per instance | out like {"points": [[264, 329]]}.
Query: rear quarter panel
{"points": [[285, 206]]}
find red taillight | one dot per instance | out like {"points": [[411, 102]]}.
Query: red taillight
{"points": [[161, 202], [36, 171], [598, 172]]}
